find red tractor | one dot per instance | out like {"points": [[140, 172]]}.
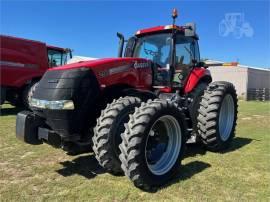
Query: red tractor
{"points": [[136, 112], [23, 62]]}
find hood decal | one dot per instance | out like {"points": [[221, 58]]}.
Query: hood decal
{"points": [[114, 70], [119, 69]]}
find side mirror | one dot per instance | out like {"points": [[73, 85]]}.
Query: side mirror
{"points": [[191, 29], [202, 64], [194, 61], [70, 54]]}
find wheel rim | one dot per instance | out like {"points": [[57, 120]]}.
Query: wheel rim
{"points": [[226, 117], [163, 145]]}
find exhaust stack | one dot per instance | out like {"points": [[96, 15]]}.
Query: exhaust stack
{"points": [[121, 44]]}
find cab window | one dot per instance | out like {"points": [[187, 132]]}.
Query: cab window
{"points": [[154, 47], [186, 49], [56, 58]]}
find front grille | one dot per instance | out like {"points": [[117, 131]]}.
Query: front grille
{"points": [[78, 85]]}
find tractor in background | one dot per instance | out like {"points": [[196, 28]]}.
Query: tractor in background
{"points": [[23, 62]]}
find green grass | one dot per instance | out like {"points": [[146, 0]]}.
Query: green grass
{"points": [[242, 173]]}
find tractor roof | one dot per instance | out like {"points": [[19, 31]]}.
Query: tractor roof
{"points": [[158, 29], [58, 48], [33, 42]]}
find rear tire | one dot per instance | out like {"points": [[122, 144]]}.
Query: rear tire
{"points": [[107, 132], [3, 95], [217, 115], [14, 97], [149, 157], [193, 107]]}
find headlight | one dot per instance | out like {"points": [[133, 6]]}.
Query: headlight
{"points": [[57, 105]]}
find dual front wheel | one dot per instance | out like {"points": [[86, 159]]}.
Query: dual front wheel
{"points": [[145, 141], [149, 148], [153, 143]]}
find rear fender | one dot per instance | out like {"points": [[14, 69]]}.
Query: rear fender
{"points": [[196, 75]]}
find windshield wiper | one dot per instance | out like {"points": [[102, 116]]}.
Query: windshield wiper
{"points": [[189, 51]]}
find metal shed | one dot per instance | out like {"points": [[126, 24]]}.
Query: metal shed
{"points": [[251, 83]]}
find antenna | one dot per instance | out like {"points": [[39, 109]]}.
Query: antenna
{"points": [[174, 15]]}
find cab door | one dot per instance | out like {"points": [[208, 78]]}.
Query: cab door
{"points": [[186, 53]]}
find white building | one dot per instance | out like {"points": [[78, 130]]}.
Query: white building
{"points": [[77, 58], [250, 82]]}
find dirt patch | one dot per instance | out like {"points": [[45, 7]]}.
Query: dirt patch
{"points": [[246, 118], [258, 116]]}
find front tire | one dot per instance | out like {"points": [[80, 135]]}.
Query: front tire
{"points": [[153, 144], [217, 115], [27, 93], [107, 132]]}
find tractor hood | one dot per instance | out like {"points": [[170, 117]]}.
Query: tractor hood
{"points": [[101, 64], [100, 73], [110, 71], [62, 83], [82, 83]]}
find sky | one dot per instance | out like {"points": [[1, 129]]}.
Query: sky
{"points": [[228, 30]]}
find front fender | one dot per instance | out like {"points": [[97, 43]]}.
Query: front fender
{"points": [[196, 75]]}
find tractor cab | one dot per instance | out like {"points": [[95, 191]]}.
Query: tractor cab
{"points": [[173, 51], [58, 56]]}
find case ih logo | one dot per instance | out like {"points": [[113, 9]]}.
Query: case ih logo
{"points": [[140, 65]]}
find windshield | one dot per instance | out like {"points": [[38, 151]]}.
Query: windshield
{"points": [[158, 48], [154, 47], [56, 58], [185, 48]]}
